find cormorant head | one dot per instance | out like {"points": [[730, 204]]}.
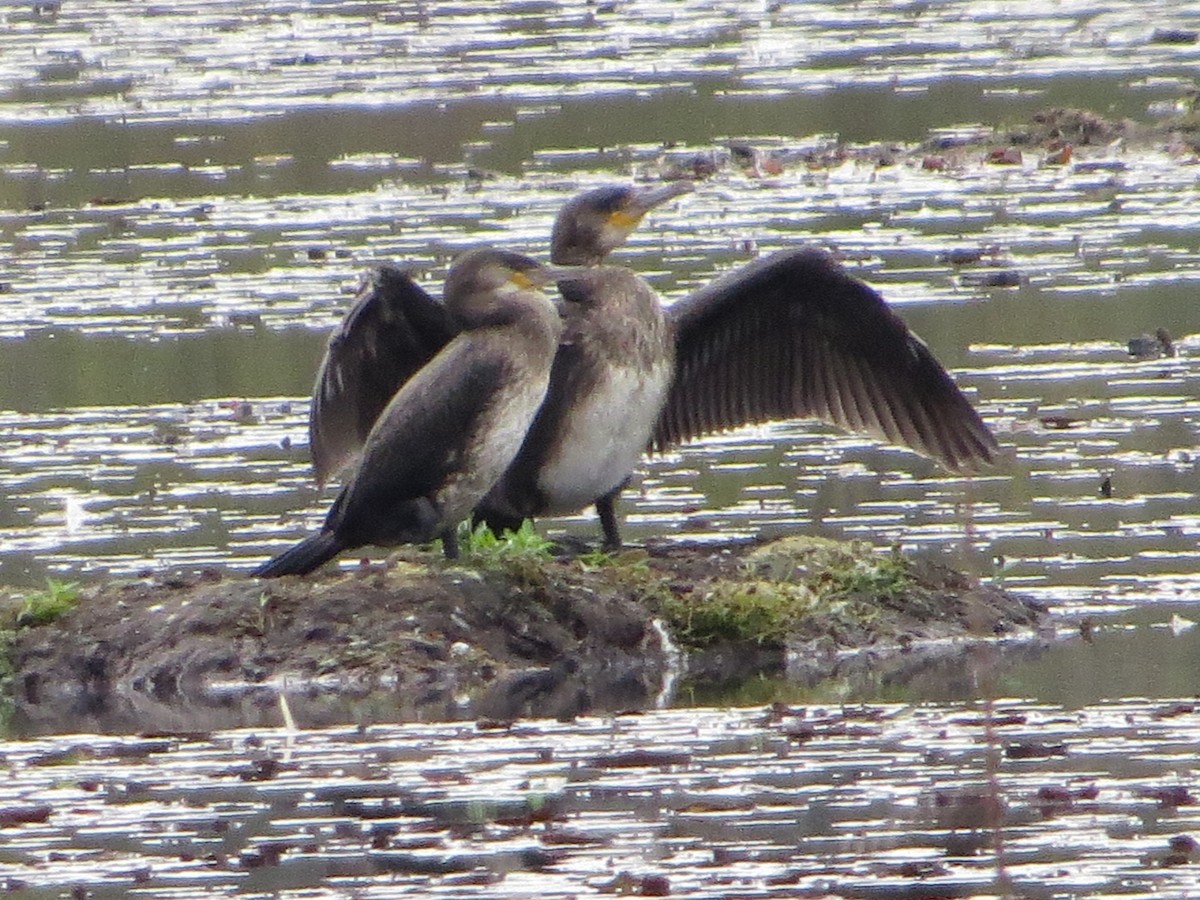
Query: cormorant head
{"points": [[596, 222], [484, 285]]}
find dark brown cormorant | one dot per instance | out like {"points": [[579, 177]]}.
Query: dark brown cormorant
{"points": [[786, 336], [445, 437]]}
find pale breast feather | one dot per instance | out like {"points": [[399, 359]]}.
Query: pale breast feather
{"points": [[603, 438], [499, 435]]}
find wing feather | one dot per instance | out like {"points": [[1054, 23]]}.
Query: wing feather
{"points": [[392, 329], [794, 335], [424, 436]]}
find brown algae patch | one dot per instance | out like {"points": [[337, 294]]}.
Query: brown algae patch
{"points": [[505, 631]]}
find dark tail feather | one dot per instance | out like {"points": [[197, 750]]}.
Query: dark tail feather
{"points": [[311, 553]]}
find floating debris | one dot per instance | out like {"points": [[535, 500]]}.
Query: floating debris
{"points": [[1174, 36], [1154, 346], [920, 796]]}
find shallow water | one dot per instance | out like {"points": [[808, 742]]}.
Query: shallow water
{"points": [[183, 217], [871, 801]]}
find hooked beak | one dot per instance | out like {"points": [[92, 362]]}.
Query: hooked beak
{"points": [[646, 199], [549, 274]]}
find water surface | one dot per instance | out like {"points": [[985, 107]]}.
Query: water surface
{"points": [[861, 801], [184, 216]]}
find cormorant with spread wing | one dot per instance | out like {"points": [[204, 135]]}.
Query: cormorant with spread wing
{"points": [[786, 336]]}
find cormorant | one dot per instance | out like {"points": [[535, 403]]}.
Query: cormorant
{"points": [[610, 377], [786, 336], [394, 326], [450, 431]]}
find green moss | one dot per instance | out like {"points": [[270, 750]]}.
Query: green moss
{"points": [[760, 611], [798, 587], [8, 638], [18, 611]]}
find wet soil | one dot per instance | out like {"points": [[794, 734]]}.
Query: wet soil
{"points": [[513, 636]]}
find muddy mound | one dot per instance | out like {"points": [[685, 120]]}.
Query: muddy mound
{"points": [[513, 634]]}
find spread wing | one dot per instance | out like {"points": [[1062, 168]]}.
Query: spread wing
{"points": [[794, 335], [393, 329]]}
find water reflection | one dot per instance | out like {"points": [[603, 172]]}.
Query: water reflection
{"points": [[183, 218]]}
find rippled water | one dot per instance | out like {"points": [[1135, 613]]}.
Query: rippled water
{"points": [[875, 801], [189, 192]]}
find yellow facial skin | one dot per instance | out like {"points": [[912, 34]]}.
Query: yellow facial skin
{"points": [[521, 280], [625, 220]]}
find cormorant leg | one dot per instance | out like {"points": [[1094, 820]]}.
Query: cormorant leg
{"points": [[450, 542], [606, 506]]}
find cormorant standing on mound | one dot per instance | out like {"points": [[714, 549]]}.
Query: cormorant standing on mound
{"points": [[786, 336], [610, 377], [394, 326], [453, 427]]}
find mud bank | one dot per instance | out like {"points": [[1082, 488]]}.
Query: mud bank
{"points": [[502, 636]]}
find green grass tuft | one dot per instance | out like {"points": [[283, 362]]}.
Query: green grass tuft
{"points": [[484, 546], [521, 554], [28, 611], [44, 607]]}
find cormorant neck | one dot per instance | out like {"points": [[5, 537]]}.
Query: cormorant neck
{"points": [[526, 311], [575, 255]]}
